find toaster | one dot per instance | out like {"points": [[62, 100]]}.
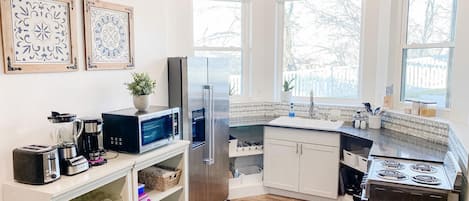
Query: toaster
{"points": [[36, 164]]}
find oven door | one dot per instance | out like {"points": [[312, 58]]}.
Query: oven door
{"points": [[155, 132], [392, 193]]}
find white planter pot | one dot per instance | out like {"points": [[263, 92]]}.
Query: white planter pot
{"points": [[142, 102], [285, 96]]}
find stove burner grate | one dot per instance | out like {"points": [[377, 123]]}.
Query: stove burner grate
{"points": [[392, 175], [392, 165], [426, 179], [423, 168]]}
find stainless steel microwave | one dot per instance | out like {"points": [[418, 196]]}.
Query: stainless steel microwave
{"points": [[136, 132]]}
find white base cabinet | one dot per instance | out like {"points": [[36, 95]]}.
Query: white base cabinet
{"points": [[281, 164], [303, 161]]}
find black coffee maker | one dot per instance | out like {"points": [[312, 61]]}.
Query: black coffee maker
{"points": [[88, 143]]}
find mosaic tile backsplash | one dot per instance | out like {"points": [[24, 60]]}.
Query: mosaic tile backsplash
{"points": [[262, 112]]}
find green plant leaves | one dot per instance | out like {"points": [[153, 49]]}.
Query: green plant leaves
{"points": [[141, 85]]}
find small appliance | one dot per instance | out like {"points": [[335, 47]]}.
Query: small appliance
{"points": [[88, 142], [36, 164], [70, 163], [65, 127], [131, 131]]}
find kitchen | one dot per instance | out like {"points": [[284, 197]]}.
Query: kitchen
{"points": [[165, 29]]}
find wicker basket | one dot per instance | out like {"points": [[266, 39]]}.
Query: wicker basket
{"points": [[159, 178]]}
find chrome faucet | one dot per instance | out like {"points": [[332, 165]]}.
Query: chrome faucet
{"points": [[312, 112]]}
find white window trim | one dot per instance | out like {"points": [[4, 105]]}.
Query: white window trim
{"points": [[279, 61], [403, 14], [245, 49]]}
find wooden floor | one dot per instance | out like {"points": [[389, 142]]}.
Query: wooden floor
{"points": [[266, 198]]}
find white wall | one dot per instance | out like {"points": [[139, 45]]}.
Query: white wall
{"points": [[26, 100]]}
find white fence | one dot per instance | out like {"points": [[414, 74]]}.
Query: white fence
{"points": [[427, 73], [343, 81], [326, 82]]}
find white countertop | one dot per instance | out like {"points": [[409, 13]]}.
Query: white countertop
{"points": [[113, 169]]}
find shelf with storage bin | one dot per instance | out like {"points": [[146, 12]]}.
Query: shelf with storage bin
{"points": [[113, 178], [246, 141], [357, 160], [236, 151], [176, 160], [248, 183], [117, 179]]}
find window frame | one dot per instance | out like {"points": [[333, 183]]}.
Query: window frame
{"points": [[245, 49], [405, 46], [279, 38]]}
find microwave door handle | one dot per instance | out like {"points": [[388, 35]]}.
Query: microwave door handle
{"points": [[208, 125]]}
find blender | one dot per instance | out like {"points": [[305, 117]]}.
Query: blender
{"points": [[66, 129], [88, 142]]}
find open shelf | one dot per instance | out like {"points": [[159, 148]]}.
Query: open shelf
{"points": [[351, 166], [155, 195], [246, 153]]}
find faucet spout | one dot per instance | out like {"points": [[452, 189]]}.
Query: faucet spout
{"points": [[312, 113]]}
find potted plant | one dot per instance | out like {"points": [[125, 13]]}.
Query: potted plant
{"points": [[287, 93], [141, 87]]}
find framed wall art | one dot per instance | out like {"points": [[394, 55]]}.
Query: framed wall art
{"points": [[109, 35], [39, 36]]}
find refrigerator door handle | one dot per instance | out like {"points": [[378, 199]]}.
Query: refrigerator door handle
{"points": [[208, 102], [212, 124]]}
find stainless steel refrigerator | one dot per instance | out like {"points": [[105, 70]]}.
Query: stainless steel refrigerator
{"points": [[199, 86]]}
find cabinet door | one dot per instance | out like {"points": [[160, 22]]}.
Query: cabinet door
{"points": [[319, 170], [281, 164]]}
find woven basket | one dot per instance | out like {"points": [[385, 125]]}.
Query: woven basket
{"points": [[159, 178]]}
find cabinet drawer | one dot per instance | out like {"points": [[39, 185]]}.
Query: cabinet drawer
{"points": [[303, 136]]}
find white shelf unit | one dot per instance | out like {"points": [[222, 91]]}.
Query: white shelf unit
{"points": [[250, 184], [69, 187], [117, 177], [176, 158]]}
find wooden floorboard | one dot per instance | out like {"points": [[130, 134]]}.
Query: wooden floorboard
{"points": [[267, 198]]}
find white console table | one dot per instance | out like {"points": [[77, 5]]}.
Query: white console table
{"points": [[117, 177]]}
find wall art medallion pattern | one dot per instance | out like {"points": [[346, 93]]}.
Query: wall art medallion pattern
{"points": [[39, 36], [109, 35]]}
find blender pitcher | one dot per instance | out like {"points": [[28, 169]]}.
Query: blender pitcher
{"points": [[65, 128]]}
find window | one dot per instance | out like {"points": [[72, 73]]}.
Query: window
{"points": [[427, 50], [216, 36], [321, 47]]}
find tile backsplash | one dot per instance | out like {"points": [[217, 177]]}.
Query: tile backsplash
{"points": [[252, 113]]}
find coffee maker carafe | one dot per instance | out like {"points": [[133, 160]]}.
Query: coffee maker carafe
{"points": [[88, 143]]}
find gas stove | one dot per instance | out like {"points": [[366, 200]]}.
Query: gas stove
{"points": [[409, 173]]}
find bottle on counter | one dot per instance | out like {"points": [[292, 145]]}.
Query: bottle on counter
{"points": [[291, 113]]}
